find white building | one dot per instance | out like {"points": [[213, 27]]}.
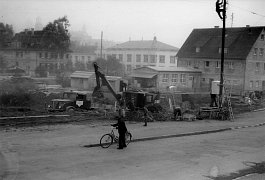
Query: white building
{"points": [[135, 54]]}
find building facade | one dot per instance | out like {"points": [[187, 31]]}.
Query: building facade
{"points": [[29, 59], [135, 54], [244, 59], [164, 78]]}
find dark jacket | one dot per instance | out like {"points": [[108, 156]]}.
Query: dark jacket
{"points": [[121, 126]]}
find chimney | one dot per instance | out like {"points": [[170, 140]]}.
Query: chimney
{"points": [[32, 31], [249, 29], [216, 26], [154, 38]]}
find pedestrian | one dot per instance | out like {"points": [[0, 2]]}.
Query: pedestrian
{"points": [[147, 115], [213, 100], [177, 113], [122, 129]]}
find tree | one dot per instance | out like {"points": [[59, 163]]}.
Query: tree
{"points": [[41, 71], [56, 35], [111, 66], [6, 34]]}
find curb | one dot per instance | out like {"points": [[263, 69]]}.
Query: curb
{"points": [[241, 127], [185, 134], [168, 136]]}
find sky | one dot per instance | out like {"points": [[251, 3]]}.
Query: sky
{"points": [[171, 21]]}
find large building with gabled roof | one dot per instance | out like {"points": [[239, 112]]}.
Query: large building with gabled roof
{"points": [[135, 54], [244, 67]]}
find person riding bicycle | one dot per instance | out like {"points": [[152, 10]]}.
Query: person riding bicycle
{"points": [[122, 129]]}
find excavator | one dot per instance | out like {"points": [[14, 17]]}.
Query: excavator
{"points": [[132, 100]]}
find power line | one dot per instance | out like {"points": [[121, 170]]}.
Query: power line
{"points": [[252, 12]]}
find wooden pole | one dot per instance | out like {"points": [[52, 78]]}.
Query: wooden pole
{"points": [[222, 58]]}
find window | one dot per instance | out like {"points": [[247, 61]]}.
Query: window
{"points": [[83, 58], [40, 55], [138, 66], [145, 58], [88, 58], [196, 64], [165, 77], [207, 63], [262, 37], [261, 50], [113, 56], [189, 63], [257, 84], [120, 57], [138, 57], [76, 58], [129, 58], [251, 84], [172, 60], [46, 55], [183, 79], [161, 59], [218, 64], [225, 50], [152, 58], [129, 67], [67, 56], [231, 65], [255, 51], [198, 49], [257, 66], [174, 78]]}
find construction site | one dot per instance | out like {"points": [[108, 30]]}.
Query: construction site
{"points": [[49, 107]]}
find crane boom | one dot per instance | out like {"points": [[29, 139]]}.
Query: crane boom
{"points": [[97, 92]]}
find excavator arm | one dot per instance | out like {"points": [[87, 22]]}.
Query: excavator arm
{"points": [[97, 90]]}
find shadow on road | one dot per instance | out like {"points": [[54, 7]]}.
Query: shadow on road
{"points": [[253, 168]]}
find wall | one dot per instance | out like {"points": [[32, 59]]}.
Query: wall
{"points": [[254, 73], [233, 76], [134, 64]]}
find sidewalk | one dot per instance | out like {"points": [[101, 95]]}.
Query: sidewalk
{"points": [[159, 130]]}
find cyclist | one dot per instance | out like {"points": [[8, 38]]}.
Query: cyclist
{"points": [[122, 131]]}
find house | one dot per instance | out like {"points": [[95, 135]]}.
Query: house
{"points": [[83, 80], [164, 78], [244, 59], [135, 54], [83, 56], [25, 51]]}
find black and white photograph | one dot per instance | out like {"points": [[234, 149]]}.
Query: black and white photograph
{"points": [[132, 90]]}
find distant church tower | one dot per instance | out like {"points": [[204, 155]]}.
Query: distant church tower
{"points": [[38, 24]]}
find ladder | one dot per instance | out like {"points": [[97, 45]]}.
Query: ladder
{"points": [[228, 98]]}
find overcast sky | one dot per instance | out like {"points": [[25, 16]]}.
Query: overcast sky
{"points": [[171, 21]]}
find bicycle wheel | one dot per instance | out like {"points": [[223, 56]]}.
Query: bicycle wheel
{"points": [[128, 138], [106, 140]]}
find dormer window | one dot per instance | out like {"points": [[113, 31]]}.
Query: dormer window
{"points": [[262, 37], [198, 49], [225, 50]]}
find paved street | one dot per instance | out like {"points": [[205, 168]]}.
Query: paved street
{"points": [[58, 152]]}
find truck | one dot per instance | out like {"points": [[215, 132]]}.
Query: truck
{"points": [[72, 101]]}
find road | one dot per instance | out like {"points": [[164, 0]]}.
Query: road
{"points": [[199, 157]]}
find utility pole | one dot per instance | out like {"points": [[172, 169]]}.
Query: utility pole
{"points": [[101, 44], [221, 10]]}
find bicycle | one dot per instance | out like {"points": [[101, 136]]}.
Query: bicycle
{"points": [[107, 139]]}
